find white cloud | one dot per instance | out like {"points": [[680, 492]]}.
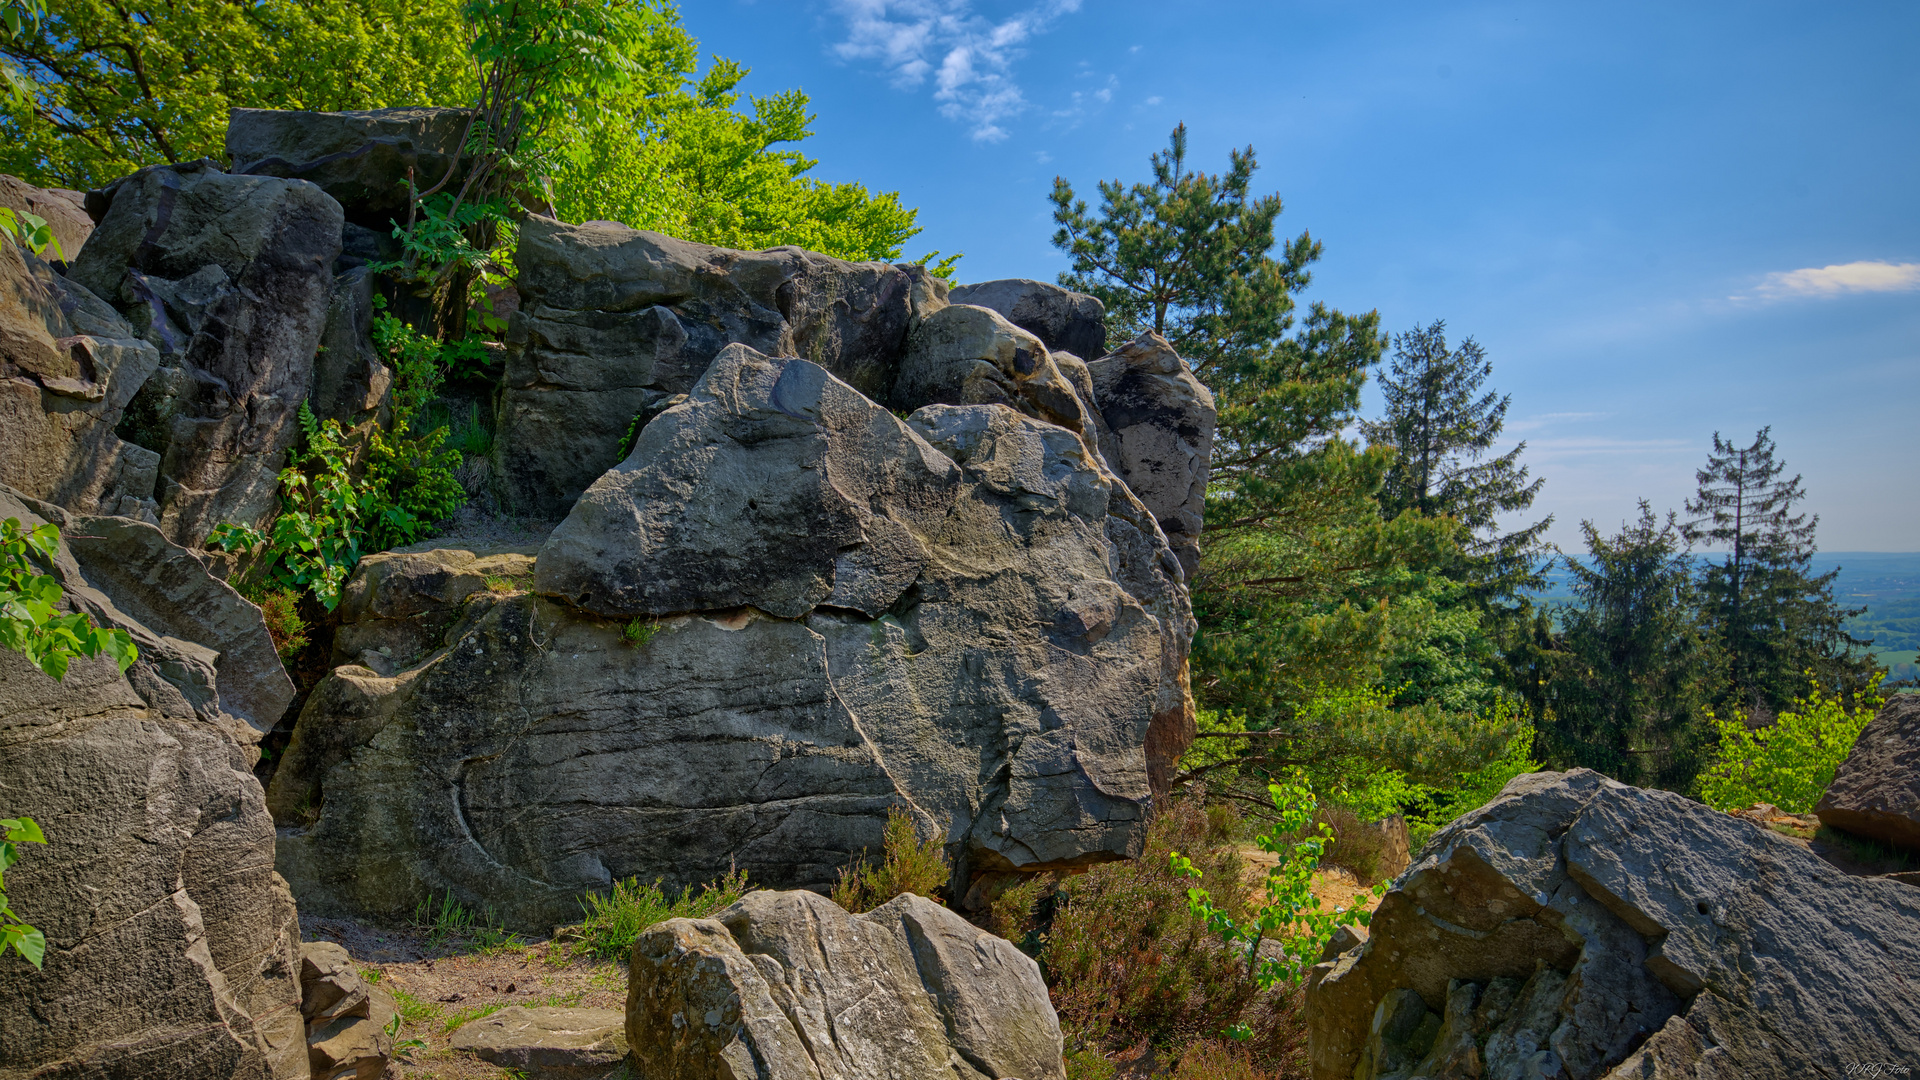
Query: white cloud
{"points": [[1843, 278], [1154, 100], [968, 56]]}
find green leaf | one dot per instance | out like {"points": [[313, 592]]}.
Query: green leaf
{"points": [[23, 830]]}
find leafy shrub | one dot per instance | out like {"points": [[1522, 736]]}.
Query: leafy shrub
{"points": [[1127, 959], [906, 866], [30, 231], [1788, 763], [30, 622], [1213, 1059], [1289, 913], [1010, 914], [15, 934], [615, 921], [1474, 789]]}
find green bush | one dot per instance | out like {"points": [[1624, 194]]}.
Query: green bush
{"points": [[906, 866], [615, 921], [1788, 763]]}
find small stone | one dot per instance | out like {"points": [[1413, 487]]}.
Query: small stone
{"points": [[547, 1042]]}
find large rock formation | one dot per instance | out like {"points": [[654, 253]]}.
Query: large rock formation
{"points": [[1876, 791], [229, 276], [786, 986], [172, 947], [1162, 423], [786, 612], [1064, 320], [1579, 928], [963, 355], [614, 321], [361, 159], [69, 365]]}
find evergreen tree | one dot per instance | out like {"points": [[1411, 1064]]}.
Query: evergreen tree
{"points": [[1630, 686], [1441, 424], [1298, 568], [1772, 617]]}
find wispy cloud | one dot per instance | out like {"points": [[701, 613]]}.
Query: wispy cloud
{"points": [[1853, 277], [968, 57]]}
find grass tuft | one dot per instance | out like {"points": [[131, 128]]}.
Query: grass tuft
{"points": [[615, 921]]}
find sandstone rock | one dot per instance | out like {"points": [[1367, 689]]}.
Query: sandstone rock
{"points": [[1062, 319], [359, 158], [787, 985], [350, 383], [330, 986], [1876, 791], [1162, 419], [172, 946], [833, 613], [64, 210], [963, 355], [1655, 937], [69, 364], [229, 276], [548, 1042], [613, 321], [346, 1017]]}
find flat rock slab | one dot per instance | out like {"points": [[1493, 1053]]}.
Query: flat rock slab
{"points": [[548, 1042]]}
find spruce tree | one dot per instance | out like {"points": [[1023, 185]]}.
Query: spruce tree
{"points": [[1631, 684], [1441, 424], [1775, 620]]}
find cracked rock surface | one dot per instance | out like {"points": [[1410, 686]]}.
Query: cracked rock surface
{"points": [[787, 986], [1576, 927], [787, 611]]}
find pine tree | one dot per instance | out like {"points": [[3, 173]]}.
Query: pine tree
{"points": [[1774, 619], [1296, 561], [1440, 425], [1630, 687]]}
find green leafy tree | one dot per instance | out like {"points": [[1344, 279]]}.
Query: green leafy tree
{"points": [[1789, 762], [1442, 424], [119, 84], [17, 17], [1771, 616], [1633, 679], [1298, 568]]}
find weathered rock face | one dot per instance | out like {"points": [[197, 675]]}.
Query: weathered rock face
{"points": [[64, 210], [786, 986], [1064, 320], [1876, 791], [840, 612], [613, 321], [359, 158], [1162, 420], [69, 364], [962, 355], [1576, 927], [350, 382], [172, 946], [229, 276]]}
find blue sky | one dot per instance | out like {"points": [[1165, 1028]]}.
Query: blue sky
{"points": [[1660, 219]]}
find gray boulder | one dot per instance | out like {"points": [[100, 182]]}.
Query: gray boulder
{"points": [[1162, 423], [547, 1043], [614, 321], [229, 276], [346, 1016], [172, 946], [69, 366], [1579, 928], [962, 355], [786, 612], [1064, 320], [787, 986], [1876, 790], [64, 210], [359, 158]]}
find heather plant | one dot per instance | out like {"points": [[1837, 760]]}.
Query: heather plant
{"points": [[906, 866]]}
